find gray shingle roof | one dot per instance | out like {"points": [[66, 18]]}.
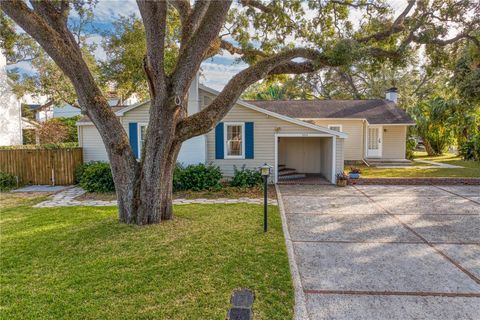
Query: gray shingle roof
{"points": [[375, 111]]}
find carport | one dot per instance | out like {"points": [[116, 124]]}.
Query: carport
{"points": [[298, 156]]}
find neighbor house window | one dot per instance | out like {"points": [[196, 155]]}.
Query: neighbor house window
{"points": [[335, 127], [142, 133], [234, 141]]}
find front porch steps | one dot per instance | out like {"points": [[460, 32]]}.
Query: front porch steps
{"points": [[285, 173], [388, 162]]}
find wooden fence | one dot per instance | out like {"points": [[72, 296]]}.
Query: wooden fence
{"points": [[42, 166]]}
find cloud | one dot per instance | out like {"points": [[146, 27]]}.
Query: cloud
{"points": [[23, 67], [99, 53], [109, 10], [217, 75]]}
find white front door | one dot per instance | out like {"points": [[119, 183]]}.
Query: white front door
{"points": [[374, 141]]}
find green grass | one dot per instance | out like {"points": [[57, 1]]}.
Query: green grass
{"points": [[471, 169], [80, 263]]}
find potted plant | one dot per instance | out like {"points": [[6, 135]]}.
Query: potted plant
{"points": [[342, 179], [354, 173]]}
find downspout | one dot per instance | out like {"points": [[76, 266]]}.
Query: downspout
{"points": [[364, 142]]}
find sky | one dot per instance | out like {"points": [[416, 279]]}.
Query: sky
{"points": [[215, 71]]}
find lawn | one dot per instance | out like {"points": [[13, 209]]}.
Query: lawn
{"points": [[80, 263], [471, 168]]}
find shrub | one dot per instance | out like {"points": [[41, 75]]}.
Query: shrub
{"points": [[411, 146], [97, 177], [245, 177], [7, 181], [81, 168], [197, 177], [470, 149]]}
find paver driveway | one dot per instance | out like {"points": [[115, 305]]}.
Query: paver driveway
{"points": [[386, 252]]}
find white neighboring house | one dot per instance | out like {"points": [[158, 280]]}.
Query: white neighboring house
{"points": [[43, 111], [10, 110]]}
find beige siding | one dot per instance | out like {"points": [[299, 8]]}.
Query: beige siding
{"points": [[301, 154], [140, 115], [265, 128], [354, 143], [394, 142], [92, 144]]}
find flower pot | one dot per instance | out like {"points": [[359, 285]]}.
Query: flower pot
{"points": [[354, 175], [342, 183]]}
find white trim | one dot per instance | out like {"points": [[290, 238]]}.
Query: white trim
{"points": [[89, 123], [332, 119], [275, 143], [139, 132], [334, 159], [278, 116], [303, 135], [335, 125], [225, 132], [394, 124]]}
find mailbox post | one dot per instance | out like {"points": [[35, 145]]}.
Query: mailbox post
{"points": [[265, 172]]}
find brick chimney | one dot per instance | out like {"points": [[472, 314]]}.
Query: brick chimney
{"points": [[392, 94]]}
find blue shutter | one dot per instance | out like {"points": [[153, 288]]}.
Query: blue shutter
{"points": [[133, 136], [249, 140], [219, 143]]}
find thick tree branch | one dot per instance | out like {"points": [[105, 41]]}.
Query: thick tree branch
{"points": [[154, 16], [396, 27], [60, 45], [192, 54], [205, 120], [257, 5]]}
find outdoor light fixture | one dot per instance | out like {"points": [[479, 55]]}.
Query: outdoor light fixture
{"points": [[265, 170]]}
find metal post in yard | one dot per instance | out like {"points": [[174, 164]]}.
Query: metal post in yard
{"points": [[265, 172]]}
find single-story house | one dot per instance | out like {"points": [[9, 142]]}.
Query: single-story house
{"points": [[294, 137]]}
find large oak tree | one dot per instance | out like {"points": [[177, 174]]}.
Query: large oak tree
{"points": [[276, 37]]}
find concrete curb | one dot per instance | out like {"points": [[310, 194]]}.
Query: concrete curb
{"points": [[300, 309]]}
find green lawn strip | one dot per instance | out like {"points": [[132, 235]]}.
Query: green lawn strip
{"points": [[471, 169], [80, 263]]}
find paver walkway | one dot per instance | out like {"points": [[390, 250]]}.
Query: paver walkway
{"points": [[384, 252], [433, 165], [67, 197]]}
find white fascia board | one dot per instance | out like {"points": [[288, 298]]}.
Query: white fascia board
{"points": [[89, 123], [279, 116]]}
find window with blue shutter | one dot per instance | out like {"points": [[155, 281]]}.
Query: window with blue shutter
{"points": [[249, 140], [219, 143], [133, 137]]}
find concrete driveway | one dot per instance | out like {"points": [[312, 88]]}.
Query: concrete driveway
{"points": [[385, 252]]}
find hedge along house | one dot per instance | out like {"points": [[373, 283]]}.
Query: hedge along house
{"points": [[257, 132]]}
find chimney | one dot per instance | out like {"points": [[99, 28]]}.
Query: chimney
{"points": [[392, 94]]}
